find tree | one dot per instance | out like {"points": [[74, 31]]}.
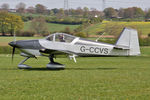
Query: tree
{"points": [[86, 11], [55, 10], [5, 6], [110, 12], [121, 12], [21, 7], [72, 12], [129, 13], [40, 8], [4, 22], [39, 26], [51, 13], [60, 13], [16, 23], [10, 23], [133, 12], [94, 12], [138, 12], [147, 14], [79, 11], [31, 9]]}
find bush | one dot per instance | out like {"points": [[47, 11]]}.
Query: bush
{"points": [[95, 20], [25, 33], [81, 34], [81, 27], [67, 30], [100, 33], [66, 20], [45, 34], [26, 18], [144, 41]]}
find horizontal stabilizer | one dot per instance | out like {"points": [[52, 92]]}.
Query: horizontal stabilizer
{"points": [[121, 47]]}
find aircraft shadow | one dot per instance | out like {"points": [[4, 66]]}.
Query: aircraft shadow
{"points": [[46, 69], [90, 68], [42, 69]]}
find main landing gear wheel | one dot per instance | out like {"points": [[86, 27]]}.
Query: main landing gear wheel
{"points": [[54, 65]]}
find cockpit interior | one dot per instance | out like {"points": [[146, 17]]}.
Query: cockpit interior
{"points": [[60, 37]]}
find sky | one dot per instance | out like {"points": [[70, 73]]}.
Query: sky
{"points": [[98, 4]]}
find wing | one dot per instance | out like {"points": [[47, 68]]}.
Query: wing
{"points": [[47, 52]]}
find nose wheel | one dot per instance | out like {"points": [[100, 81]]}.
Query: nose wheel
{"points": [[24, 66], [53, 64]]}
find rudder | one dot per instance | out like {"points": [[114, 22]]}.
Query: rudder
{"points": [[129, 38]]}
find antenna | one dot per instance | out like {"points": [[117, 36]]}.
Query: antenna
{"points": [[66, 6], [99, 37]]}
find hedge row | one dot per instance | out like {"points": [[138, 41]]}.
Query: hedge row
{"points": [[7, 50], [67, 20], [145, 41]]}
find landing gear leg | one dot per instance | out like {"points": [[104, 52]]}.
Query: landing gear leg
{"points": [[51, 58], [54, 65], [24, 66]]}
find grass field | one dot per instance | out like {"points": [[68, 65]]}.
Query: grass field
{"points": [[143, 27], [53, 27], [103, 78]]}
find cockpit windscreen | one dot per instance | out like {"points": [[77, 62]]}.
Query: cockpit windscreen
{"points": [[61, 37]]}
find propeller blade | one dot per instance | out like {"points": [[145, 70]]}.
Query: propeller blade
{"points": [[13, 52]]}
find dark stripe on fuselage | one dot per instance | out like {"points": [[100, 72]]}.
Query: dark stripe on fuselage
{"points": [[29, 44]]}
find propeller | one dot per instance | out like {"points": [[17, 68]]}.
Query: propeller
{"points": [[13, 52], [14, 46]]}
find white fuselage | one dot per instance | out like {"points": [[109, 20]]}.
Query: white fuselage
{"points": [[88, 49]]}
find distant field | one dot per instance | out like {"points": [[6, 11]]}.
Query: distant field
{"points": [[52, 27], [143, 27], [101, 78]]}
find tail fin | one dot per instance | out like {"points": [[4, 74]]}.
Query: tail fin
{"points": [[129, 38]]}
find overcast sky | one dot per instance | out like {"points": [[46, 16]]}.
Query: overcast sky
{"points": [[144, 4]]}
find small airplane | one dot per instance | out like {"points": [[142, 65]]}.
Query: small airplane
{"points": [[61, 43]]}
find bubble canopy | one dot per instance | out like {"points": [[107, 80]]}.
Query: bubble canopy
{"points": [[60, 37]]}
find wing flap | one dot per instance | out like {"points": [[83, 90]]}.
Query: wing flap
{"points": [[56, 52]]}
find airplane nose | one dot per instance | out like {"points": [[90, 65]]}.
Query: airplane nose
{"points": [[13, 44]]}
